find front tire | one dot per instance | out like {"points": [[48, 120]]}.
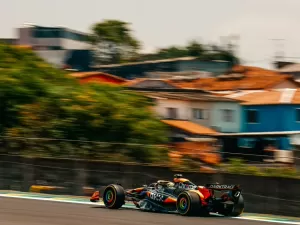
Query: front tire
{"points": [[188, 204], [114, 196]]}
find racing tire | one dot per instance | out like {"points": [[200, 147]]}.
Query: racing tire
{"points": [[114, 196], [189, 204], [236, 210]]}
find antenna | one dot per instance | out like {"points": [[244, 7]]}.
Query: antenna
{"points": [[230, 42], [279, 49]]}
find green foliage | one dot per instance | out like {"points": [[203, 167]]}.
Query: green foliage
{"points": [[114, 41], [43, 102], [194, 49], [238, 166]]}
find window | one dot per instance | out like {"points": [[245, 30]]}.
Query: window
{"points": [[227, 115], [172, 113], [55, 48], [74, 36], [198, 114], [252, 116], [298, 115], [47, 33], [246, 142]]}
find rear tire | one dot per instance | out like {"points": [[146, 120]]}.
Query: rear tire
{"points": [[236, 210], [114, 196], [189, 204]]}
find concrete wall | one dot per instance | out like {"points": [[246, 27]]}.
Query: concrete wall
{"points": [[54, 57], [262, 194]]}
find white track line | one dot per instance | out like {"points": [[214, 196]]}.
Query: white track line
{"points": [[270, 221], [50, 200], [59, 200], [101, 204]]}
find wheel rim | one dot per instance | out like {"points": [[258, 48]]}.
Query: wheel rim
{"points": [[109, 196], [183, 203]]}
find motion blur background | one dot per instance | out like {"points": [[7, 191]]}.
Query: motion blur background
{"points": [[98, 92]]}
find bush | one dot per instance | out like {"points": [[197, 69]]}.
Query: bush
{"points": [[43, 102], [238, 166]]}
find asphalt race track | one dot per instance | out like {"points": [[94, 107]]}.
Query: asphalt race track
{"points": [[15, 211]]}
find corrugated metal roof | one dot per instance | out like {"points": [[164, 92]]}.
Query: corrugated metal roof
{"points": [[267, 97], [240, 78], [187, 96], [249, 80], [290, 68], [148, 62]]}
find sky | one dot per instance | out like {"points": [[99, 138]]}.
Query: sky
{"points": [[162, 23]]}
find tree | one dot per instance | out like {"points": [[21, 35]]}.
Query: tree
{"points": [[113, 41], [38, 101], [194, 49]]}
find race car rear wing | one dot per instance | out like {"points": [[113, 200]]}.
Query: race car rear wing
{"points": [[232, 187]]}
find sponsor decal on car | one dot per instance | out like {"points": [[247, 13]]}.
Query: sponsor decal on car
{"points": [[221, 186]]}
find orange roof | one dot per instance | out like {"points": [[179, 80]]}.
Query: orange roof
{"points": [[134, 81], [95, 73], [268, 97], [131, 83], [190, 127], [23, 46], [240, 77]]}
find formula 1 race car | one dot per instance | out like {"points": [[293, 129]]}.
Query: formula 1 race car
{"points": [[180, 196]]}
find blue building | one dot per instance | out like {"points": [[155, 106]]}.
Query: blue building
{"points": [[267, 120], [272, 118]]}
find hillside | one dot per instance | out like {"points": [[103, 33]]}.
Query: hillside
{"points": [[38, 101]]}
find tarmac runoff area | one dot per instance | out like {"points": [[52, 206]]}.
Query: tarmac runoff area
{"points": [[18, 208]]}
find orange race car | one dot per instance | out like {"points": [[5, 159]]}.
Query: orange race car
{"points": [[180, 196]]}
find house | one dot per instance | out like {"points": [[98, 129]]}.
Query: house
{"points": [[292, 69], [241, 78], [51, 38], [140, 69], [275, 110], [238, 78], [56, 45], [193, 140], [195, 120], [97, 77], [214, 112], [179, 75], [150, 83]]}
